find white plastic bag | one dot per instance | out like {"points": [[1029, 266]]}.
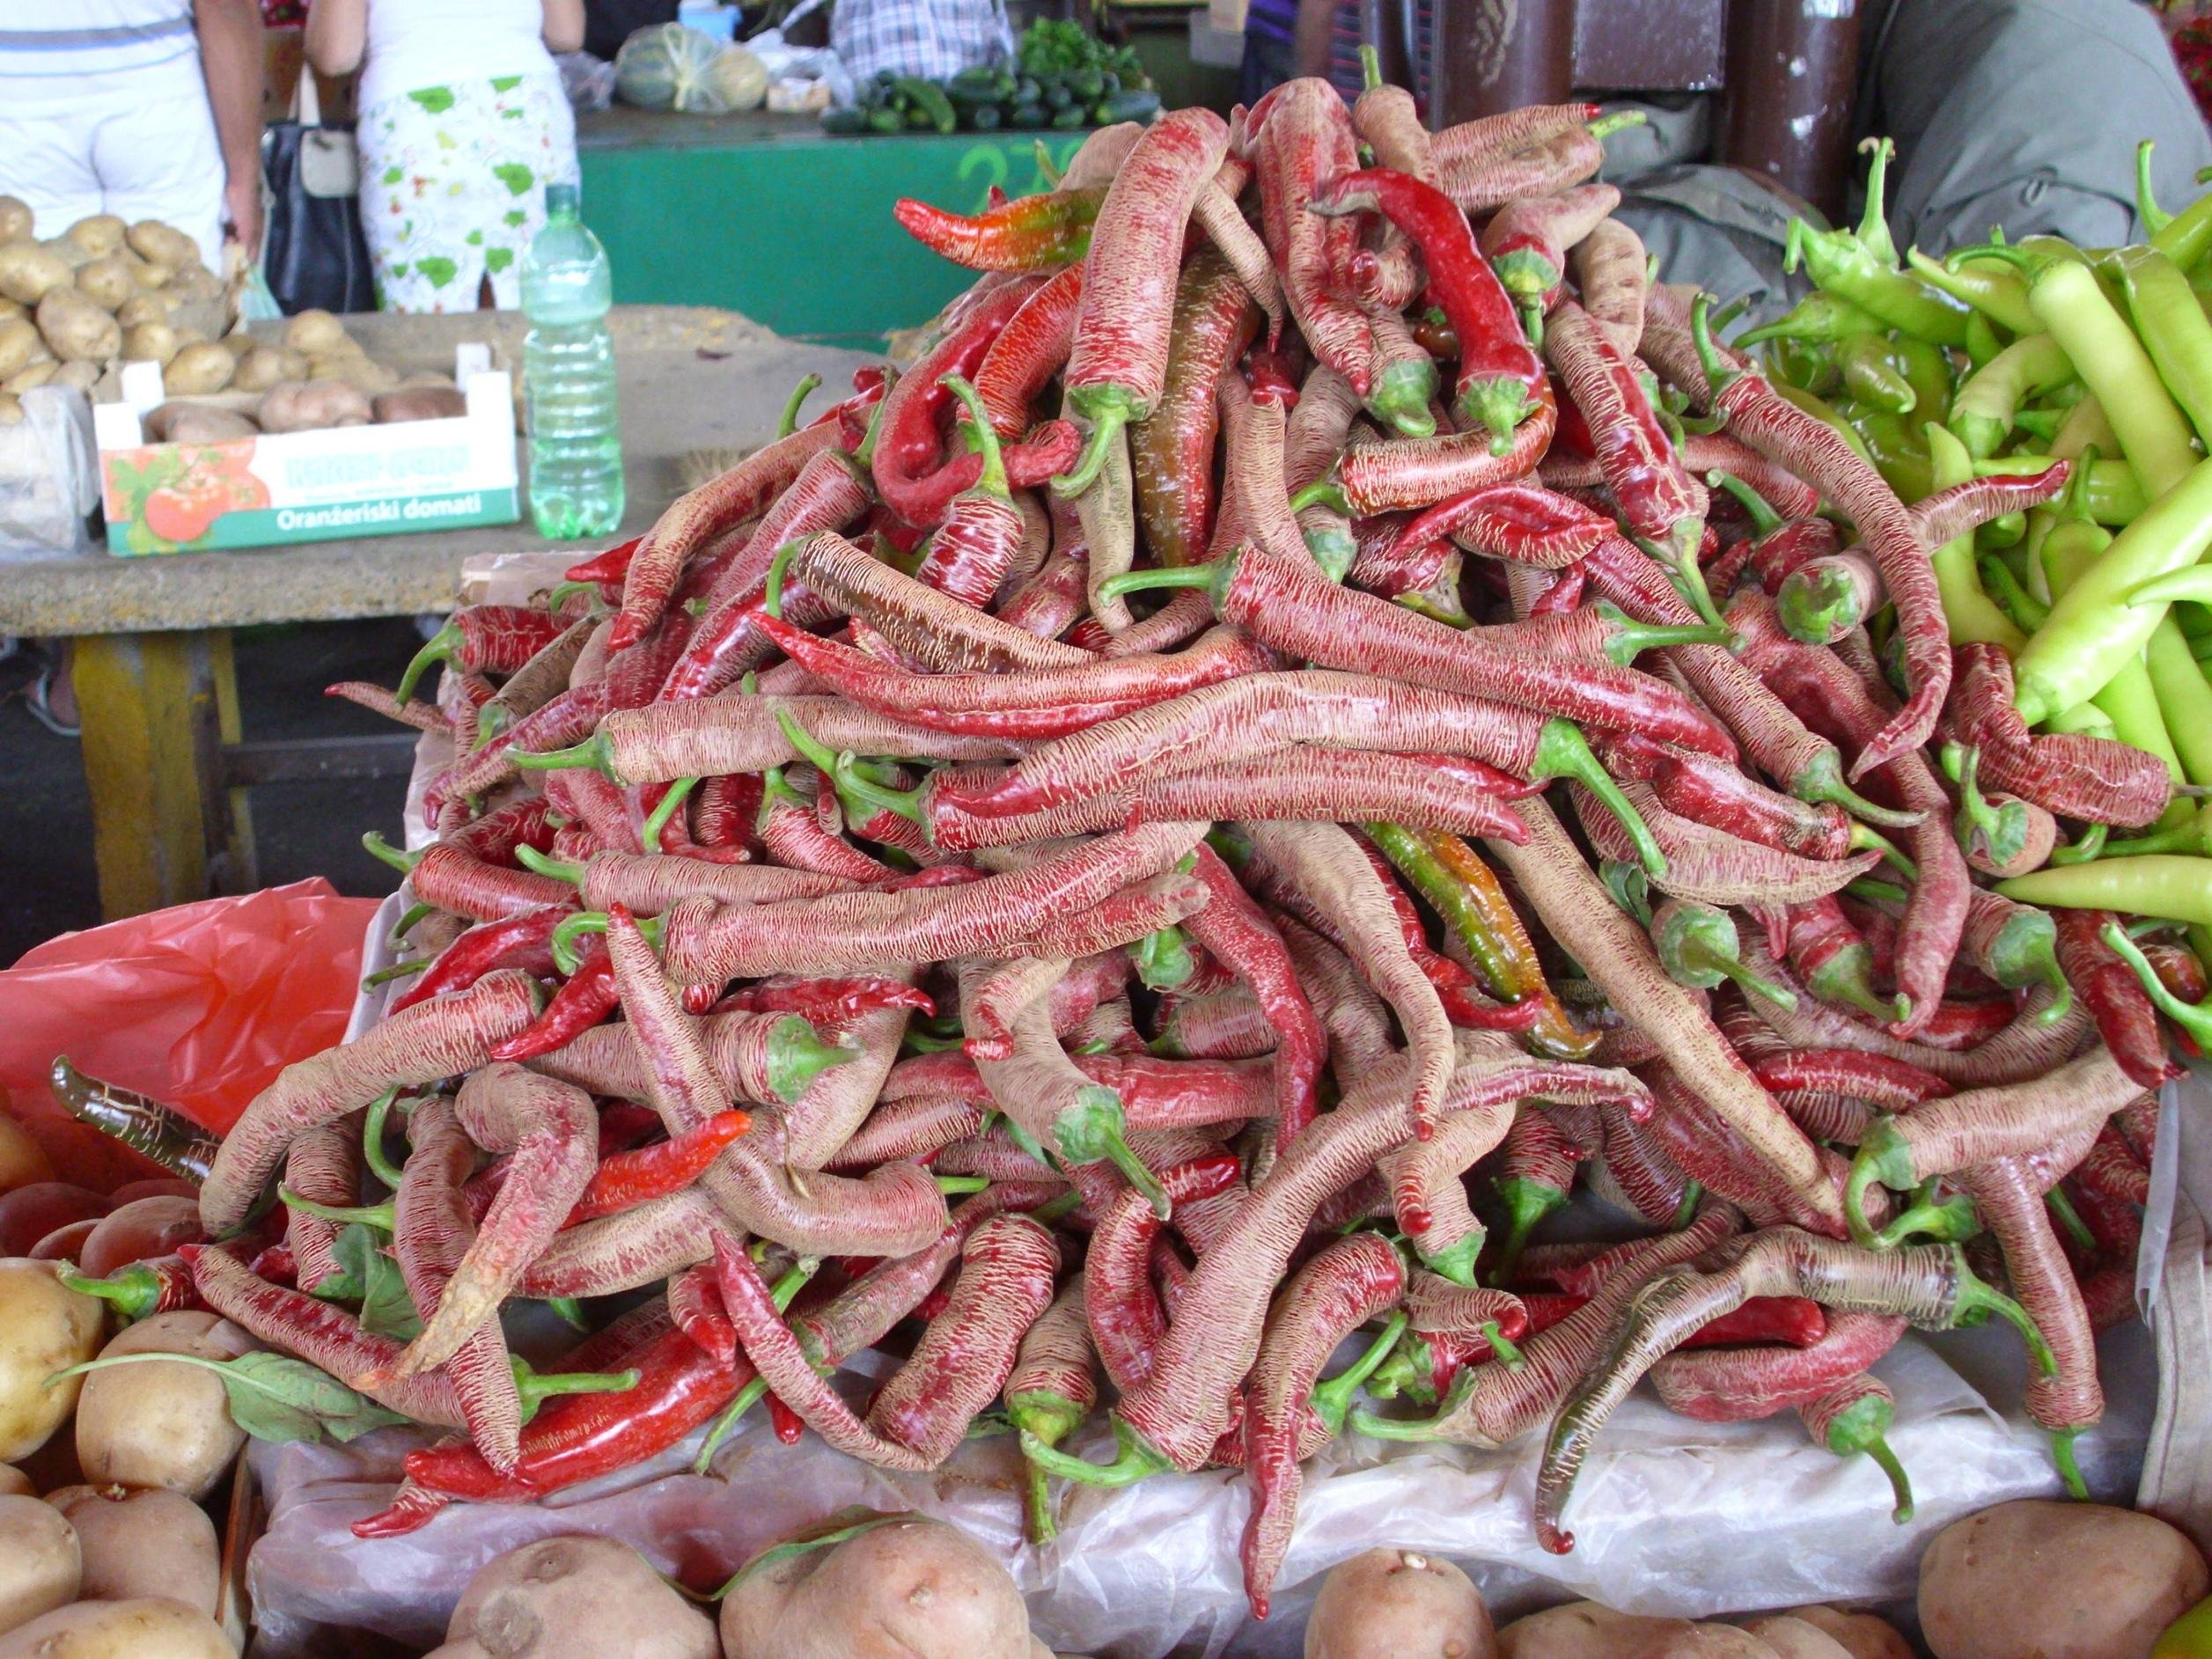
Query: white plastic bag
{"points": [[49, 475]]}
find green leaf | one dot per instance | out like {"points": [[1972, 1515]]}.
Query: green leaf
{"points": [[505, 83], [475, 238], [438, 268], [272, 1396], [385, 1307], [436, 100], [393, 175], [498, 259], [514, 216], [515, 176]]}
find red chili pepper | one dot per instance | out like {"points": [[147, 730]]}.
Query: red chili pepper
{"points": [[588, 997], [496, 639], [1273, 377], [524, 940], [973, 550], [1300, 136], [1028, 352], [2115, 999], [608, 569], [1833, 961], [627, 1179], [1520, 522], [831, 1001], [1499, 376], [496, 837], [1034, 233], [1526, 242]]}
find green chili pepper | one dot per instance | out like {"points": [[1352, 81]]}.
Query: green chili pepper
{"points": [[1874, 374], [1994, 293], [1863, 267], [1821, 318], [1697, 945], [2157, 884], [1973, 618], [1898, 451], [1988, 403]]}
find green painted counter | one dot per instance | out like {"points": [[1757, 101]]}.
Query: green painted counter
{"points": [[769, 216]]}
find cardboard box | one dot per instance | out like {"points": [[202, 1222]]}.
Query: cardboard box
{"points": [[275, 487]]}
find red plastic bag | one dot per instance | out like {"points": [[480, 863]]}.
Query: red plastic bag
{"points": [[198, 1006]]}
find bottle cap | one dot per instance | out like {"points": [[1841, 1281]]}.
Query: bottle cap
{"points": [[561, 201]]}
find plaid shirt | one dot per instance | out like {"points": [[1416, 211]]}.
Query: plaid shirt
{"points": [[929, 37]]}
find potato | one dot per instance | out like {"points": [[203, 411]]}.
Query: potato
{"points": [[45, 1327], [1792, 1638], [1585, 1630], [15, 219], [99, 235], [162, 244], [30, 377], [10, 410], [420, 403], [62, 1244], [575, 1599], [150, 342], [109, 281], [356, 371], [197, 370], [78, 377], [906, 1584], [141, 309], [15, 1483], [31, 1212], [75, 328], [149, 1628], [146, 1227], [193, 281], [12, 307], [152, 275], [29, 272], [2055, 1581], [39, 1561], [20, 345], [142, 1544], [70, 253], [1398, 1605], [154, 1425], [316, 333], [305, 406], [1861, 1635], [22, 1159], [265, 366], [195, 423]]}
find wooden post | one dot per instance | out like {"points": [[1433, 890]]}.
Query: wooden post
{"points": [[1486, 56], [1792, 85], [157, 709]]}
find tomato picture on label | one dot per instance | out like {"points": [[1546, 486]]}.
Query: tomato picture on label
{"points": [[180, 513]]}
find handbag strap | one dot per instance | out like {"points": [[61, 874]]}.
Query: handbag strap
{"points": [[306, 99]]}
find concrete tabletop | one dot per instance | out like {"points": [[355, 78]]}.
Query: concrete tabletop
{"points": [[692, 379]]}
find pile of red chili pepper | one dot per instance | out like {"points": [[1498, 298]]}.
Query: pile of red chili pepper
{"points": [[1179, 829]]}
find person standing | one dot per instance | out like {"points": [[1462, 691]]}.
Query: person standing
{"points": [[147, 109], [462, 124]]}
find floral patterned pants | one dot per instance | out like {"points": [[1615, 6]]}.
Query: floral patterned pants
{"points": [[452, 187]]}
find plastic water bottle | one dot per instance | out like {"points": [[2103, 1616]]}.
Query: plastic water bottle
{"points": [[568, 377]]}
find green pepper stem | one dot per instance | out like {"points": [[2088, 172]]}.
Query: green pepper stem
{"points": [[1883, 1155], [1134, 1459], [376, 1216], [1048, 169], [1945, 1223], [2155, 219], [596, 751], [544, 864], [1526, 1203], [440, 647], [397, 970], [992, 480], [1181, 576], [400, 860], [2194, 1019], [372, 1152], [569, 1311], [1822, 779], [1368, 1423], [787, 423], [1503, 1348], [1107, 417], [1322, 493], [772, 594], [1764, 520], [1163, 959], [1975, 1296], [2069, 1471], [1718, 375], [656, 820], [1331, 1399], [1456, 1262], [1561, 752], [133, 1290], [957, 1186], [1679, 560], [407, 923], [535, 1388], [570, 928], [1370, 67], [1630, 639], [780, 1292], [1094, 1128], [1685, 1211], [2070, 1219], [852, 784], [1880, 891]]}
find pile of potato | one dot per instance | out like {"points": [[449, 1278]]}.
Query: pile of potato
{"points": [[316, 376], [101, 292]]}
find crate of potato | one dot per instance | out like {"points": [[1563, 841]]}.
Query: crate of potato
{"points": [[249, 442]]}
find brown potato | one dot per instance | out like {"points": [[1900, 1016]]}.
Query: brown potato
{"points": [[15, 219], [10, 410], [99, 235], [316, 333], [162, 244], [916, 1586], [578, 1596], [70, 253], [13, 307], [152, 1425], [2055, 1580], [1861, 1635], [152, 275], [150, 342], [198, 369], [195, 281], [1585, 1630], [40, 1565], [356, 371], [144, 1543], [75, 328], [145, 1227], [420, 403], [30, 377], [178, 422], [1792, 1638], [141, 309], [29, 272], [19, 344], [22, 1159], [78, 377], [151, 1627], [265, 366], [45, 1327], [1398, 1605], [109, 281], [15, 1483], [306, 406]]}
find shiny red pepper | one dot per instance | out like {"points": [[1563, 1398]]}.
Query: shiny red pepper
{"points": [[1035, 233], [523, 941]]}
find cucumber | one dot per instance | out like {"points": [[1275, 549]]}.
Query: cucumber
{"points": [[886, 120], [1070, 118], [928, 100], [1027, 117], [1059, 95], [985, 118], [850, 119], [1141, 106], [1088, 84]]}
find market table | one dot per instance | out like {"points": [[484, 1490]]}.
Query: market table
{"points": [[164, 757]]}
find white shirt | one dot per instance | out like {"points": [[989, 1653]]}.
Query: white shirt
{"points": [[414, 44], [41, 40]]}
